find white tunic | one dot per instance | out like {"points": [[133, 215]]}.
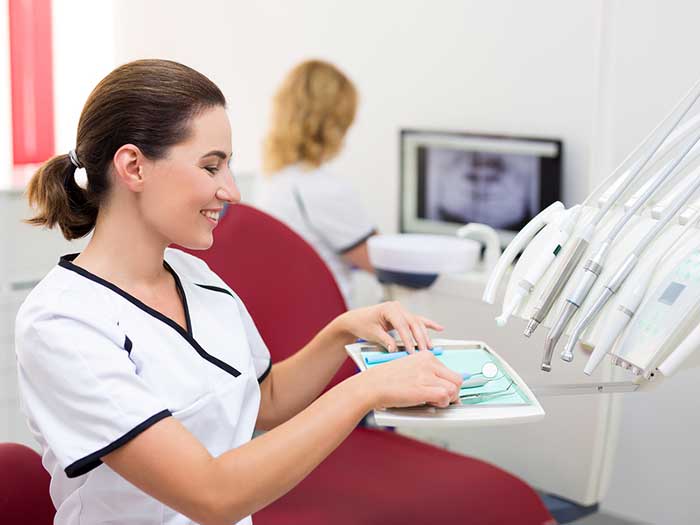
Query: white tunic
{"points": [[323, 209], [97, 367]]}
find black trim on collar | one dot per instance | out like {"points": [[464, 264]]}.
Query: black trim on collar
{"points": [[214, 288], [86, 464], [128, 345], [181, 292], [265, 373], [355, 244], [66, 262], [227, 292]]}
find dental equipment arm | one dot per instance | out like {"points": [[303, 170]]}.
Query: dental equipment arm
{"points": [[689, 213], [630, 299], [594, 266], [523, 237], [542, 264], [653, 141], [626, 268], [688, 346]]}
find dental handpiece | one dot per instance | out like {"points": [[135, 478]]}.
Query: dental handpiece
{"points": [[514, 247], [628, 265], [609, 290], [590, 273], [617, 321], [555, 287], [541, 264], [594, 266]]}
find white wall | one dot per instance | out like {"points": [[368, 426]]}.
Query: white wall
{"points": [[83, 53], [502, 66]]}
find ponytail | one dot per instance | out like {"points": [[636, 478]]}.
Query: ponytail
{"points": [[58, 200]]}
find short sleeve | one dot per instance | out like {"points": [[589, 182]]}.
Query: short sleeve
{"points": [[79, 387], [335, 213]]}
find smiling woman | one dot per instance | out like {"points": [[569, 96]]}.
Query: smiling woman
{"points": [[141, 372]]}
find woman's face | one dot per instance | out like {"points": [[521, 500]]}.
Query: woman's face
{"points": [[185, 192]]}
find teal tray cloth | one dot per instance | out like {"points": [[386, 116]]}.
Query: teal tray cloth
{"points": [[471, 360]]}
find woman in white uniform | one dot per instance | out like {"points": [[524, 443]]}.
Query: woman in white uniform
{"points": [[311, 113], [141, 373]]}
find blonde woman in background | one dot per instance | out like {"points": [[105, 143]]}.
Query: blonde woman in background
{"points": [[311, 113]]}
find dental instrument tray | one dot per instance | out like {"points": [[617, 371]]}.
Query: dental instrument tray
{"points": [[492, 392]]}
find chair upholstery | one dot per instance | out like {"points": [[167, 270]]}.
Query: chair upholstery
{"points": [[24, 487], [374, 476]]}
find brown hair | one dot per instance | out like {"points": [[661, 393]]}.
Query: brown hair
{"points": [[147, 103], [311, 112]]}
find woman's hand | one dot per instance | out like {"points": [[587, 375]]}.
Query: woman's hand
{"points": [[413, 380], [372, 323]]}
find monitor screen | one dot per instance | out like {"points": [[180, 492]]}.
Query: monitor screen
{"points": [[449, 179]]}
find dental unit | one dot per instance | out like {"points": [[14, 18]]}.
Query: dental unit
{"points": [[629, 264], [625, 175], [659, 327], [640, 231], [630, 299], [594, 265]]}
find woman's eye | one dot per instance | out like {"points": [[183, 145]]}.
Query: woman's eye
{"points": [[212, 169]]}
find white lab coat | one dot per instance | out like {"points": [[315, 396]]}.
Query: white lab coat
{"points": [[97, 367], [323, 209]]}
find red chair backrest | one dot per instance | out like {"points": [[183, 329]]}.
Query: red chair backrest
{"points": [[287, 288], [24, 487]]}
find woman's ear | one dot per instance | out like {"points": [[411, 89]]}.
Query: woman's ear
{"points": [[128, 163]]}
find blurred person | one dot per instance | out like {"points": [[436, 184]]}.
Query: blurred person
{"points": [[311, 113]]}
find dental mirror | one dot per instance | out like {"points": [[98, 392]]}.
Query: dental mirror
{"points": [[488, 372]]}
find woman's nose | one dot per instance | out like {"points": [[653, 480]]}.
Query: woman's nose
{"points": [[229, 192]]}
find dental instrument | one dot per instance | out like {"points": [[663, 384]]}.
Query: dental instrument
{"points": [[630, 299], [516, 246], [391, 356], [620, 276], [539, 267], [594, 266], [484, 396], [488, 373], [627, 174], [670, 312]]}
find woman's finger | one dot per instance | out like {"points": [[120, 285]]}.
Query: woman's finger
{"points": [[431, 324], [386, 340], [419, 334], [424, 329], [437, 396], [397, 319], [447, 374]]}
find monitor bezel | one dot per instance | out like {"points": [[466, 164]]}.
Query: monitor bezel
{"points": [[549, 192]]}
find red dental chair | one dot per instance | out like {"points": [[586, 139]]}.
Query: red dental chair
{"points": [[375, 476], [24, 487]]}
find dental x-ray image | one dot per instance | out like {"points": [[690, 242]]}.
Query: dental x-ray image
{"points": [[497, 189]]}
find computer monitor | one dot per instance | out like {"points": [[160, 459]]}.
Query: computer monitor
{"points": [[449, 179]]}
